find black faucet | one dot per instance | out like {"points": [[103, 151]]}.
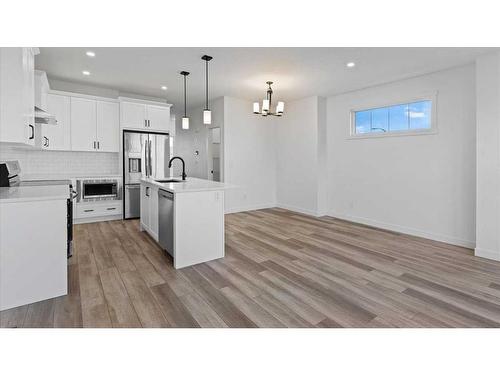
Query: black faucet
{"points": [[183, 166]]}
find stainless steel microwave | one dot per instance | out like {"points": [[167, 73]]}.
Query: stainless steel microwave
{"points": [[100, 189]]}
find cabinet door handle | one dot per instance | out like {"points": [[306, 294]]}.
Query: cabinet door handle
{"points": [[94, 145], [145, 123], [88, 210], [32, 128], [149, 123], [147, 191], [98, 145], [45, 141], [111, 208]]}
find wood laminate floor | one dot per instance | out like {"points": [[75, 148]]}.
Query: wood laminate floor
{"points": [[281, 269]]}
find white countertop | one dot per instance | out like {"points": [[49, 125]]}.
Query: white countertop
{"points": [[33, 193], [192, 184]]}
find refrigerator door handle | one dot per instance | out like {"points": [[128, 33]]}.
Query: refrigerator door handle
{"points": [[146, 157], [150, 160]]}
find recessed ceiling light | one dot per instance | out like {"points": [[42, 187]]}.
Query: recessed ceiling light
{"points": [[350, 64], [90, 54], [86, 73], [164, 87]]}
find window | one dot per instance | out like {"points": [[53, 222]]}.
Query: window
{"points": [[412, 117]]}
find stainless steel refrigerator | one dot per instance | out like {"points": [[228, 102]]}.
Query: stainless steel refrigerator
{"points": [[145, 154]]}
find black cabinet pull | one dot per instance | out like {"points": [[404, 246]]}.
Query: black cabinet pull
{"points": [[88, 210], [32, 128], [111, 208]]}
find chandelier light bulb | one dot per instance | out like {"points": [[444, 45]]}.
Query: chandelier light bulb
{"points": [[280, 108], [256, 108], [265, 105]]}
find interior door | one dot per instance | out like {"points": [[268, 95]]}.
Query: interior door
{"points": [[108, 124], [159, 118], [213, 154], [83, 124]]}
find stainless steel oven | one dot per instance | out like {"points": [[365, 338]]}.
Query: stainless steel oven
{"points": [[98, 189]]}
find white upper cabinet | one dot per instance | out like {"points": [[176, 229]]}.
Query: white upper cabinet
{"points": [[133, 115], [94, 125], [138, 115], [17, 95], [108, 125], [57, 137], [83, 124], [29, 95], [158, 118], [41, 90]]}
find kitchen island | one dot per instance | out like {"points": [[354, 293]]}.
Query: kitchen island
{"points": [[33, 244], [185, 217]]}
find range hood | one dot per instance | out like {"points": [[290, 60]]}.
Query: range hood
{"points": [[42, 117]]}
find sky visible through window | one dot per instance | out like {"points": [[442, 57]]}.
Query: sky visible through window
{"points": [[401, 117]]}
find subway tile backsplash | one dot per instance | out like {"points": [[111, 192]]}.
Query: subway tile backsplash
{"points": [[62, 163]]}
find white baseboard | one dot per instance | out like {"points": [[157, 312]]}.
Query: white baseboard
{"points": [[489, 254], [406, 230], [304, 211], [233, 210]]}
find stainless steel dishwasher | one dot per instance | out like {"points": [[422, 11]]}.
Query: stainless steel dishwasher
{"points": [[166, 220]]}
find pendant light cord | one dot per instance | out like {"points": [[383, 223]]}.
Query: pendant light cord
{"points": [[206, 74], [185, 97]]}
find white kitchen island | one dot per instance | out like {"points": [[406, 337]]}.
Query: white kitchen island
{"points": [[33, 244], [186, 218]]}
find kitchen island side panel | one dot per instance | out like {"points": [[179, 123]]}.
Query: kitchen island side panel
{"points": [[198, 227]]}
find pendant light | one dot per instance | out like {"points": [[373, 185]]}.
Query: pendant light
{"points": [[185, 119], [266, 104], [207, 114]]}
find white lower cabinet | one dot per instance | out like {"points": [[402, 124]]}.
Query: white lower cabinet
{"points": [[98, 211], [149, 209], [33, 251]]}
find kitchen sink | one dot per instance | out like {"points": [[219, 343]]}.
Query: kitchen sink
{"points": [[168, 181]]}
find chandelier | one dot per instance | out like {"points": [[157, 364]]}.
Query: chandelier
{"points": [[266, 104]]}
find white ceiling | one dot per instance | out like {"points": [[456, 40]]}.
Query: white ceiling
{"points": [[242, 72]]}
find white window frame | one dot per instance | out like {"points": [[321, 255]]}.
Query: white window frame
{"points": [[433, 97]]}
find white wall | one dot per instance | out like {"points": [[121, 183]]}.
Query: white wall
{"points": [[488, 156], [422, 185], [249, 157], [54, 164], [301, 156]]}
